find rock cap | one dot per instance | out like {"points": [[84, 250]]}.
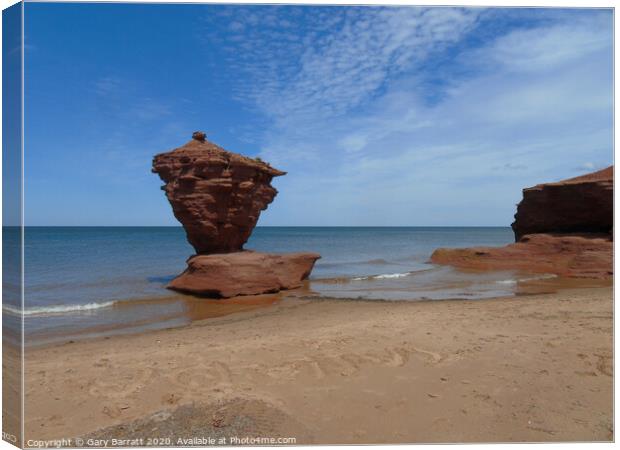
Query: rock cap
{"points": [[217, 195]]}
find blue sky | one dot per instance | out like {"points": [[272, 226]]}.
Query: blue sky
{"points": [[380, 116]]}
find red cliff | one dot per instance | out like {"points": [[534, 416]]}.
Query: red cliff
{"points": [[578, 205], [563, 228], [218, 196]]}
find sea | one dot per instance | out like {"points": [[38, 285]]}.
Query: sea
{"points": [[85, 282]]}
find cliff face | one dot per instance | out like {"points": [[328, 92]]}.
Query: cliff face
{"points": [[562, 228], [577, 205], [215, 194]]}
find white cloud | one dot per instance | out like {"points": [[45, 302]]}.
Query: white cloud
{"points": [[378, 125], [338, 60], [547, 48]]}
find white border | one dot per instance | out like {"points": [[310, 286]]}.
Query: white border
{"points": [[475, 3]]}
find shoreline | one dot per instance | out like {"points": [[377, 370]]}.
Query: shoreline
{"points": [[525, 368], [197, 309]]}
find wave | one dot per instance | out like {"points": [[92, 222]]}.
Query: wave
{"points": [[515, 281], [382, 276], [55, 309], [348, 279]]}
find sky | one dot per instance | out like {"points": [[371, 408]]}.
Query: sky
{"points": [[403, 116], [11, 117]]}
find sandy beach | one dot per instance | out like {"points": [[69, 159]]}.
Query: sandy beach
{"points": [[527, 368]]}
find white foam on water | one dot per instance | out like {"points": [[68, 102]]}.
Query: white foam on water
{"points": [[382, 276], [513, 281], [55, 309], [392, 275]]}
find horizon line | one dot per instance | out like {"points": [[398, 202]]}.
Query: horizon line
{"points": [[263, 226]]}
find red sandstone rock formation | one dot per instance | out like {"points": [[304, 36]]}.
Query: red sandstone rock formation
{"points": [[215, 194], [218, 196], [563, 228], [573, 256], [243, 273], [577, 205]]}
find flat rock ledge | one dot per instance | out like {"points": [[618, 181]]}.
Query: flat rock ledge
{"points": [[571, 256], [247, 272]]}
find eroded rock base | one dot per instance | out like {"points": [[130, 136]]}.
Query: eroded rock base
{"points": [[243, 273]]}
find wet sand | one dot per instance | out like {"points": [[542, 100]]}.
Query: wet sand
{"points": [[526, 368]]}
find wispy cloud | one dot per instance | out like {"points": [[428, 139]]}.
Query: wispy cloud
{"points": [[331, 60], [404, 116]]}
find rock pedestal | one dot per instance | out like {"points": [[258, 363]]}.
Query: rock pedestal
{"points": [[218, 196], [243, 273]]}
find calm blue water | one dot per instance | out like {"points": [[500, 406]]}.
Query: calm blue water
{"points": [[77, 278]]}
